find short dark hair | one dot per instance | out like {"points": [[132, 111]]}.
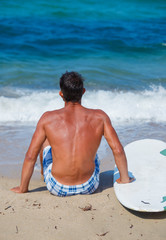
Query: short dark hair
{"points": [[71, 84]]}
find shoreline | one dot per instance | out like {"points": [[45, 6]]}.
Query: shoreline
{"points": [[38, 214]]}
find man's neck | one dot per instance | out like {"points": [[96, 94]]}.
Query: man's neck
{"points": [[67, 104]]}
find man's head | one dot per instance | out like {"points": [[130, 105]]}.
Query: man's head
{"points": [[72, 88]]}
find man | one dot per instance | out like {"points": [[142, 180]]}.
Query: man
{"points": [[68, 139]]}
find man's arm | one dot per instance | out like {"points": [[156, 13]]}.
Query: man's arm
{"points": [[117, 149], [38, 139]]}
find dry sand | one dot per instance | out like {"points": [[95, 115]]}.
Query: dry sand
{"points": [[40, 215]]}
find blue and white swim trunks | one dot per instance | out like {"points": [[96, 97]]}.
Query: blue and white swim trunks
{"points": [[62, 190]]}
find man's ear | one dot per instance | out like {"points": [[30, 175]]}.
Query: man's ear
{"points": [[61, 94], [84, 90]]}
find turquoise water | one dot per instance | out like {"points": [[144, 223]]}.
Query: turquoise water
{"points": [[115, 45], [118, 46]]}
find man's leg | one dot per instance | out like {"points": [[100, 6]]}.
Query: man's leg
{"points": [[45, 144]]}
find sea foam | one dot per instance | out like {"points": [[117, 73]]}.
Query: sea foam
{"points": [[122, 107]]}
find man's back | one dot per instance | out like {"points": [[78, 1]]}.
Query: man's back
{"points": [[74, 134]]}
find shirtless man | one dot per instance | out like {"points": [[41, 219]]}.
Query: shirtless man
{"points": [[68, 139]]}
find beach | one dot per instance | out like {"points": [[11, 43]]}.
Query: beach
{"points": [[40, 215], [119, 47]]}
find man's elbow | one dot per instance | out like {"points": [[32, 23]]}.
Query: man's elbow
{"points": [[29, 157], [119, 151]]}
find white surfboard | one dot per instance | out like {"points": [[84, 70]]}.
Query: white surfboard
{"points": [[147, 164]]}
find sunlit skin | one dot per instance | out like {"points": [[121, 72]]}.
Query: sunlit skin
{"points": [[74, 133]]}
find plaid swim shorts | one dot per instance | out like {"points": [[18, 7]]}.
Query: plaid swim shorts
{"points": [[62, 190]]}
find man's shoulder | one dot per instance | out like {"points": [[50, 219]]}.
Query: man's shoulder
{"points": [[98, 113], [49, 115]]}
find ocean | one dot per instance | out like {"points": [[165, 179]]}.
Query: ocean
{"points": [[119, 47]]}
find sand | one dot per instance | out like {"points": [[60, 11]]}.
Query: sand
{"points": [[40, 215]]}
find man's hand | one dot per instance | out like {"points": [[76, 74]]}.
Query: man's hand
{"points": [[129, 181], [17, 190]]}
